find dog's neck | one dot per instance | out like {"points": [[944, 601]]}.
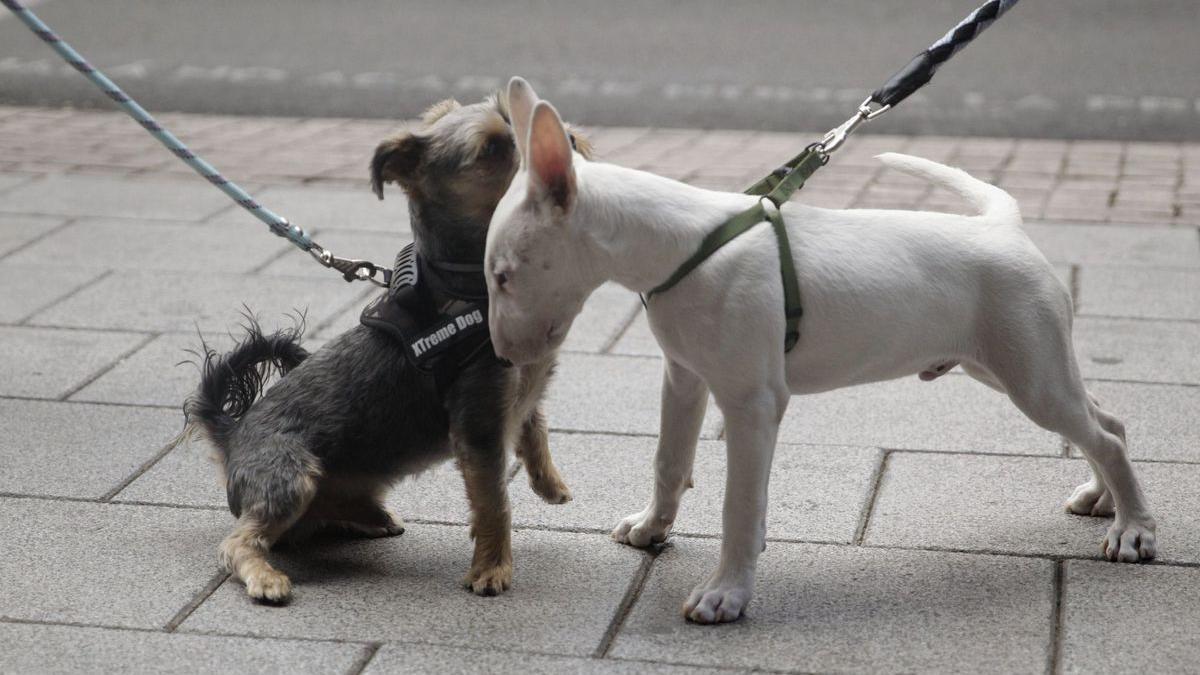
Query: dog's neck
{"points": [[443, 235], [641, 226]]}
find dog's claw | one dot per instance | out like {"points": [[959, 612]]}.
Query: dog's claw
{"points": [[641, 530], [551, 489], [1134, 542], [489, 582], [271, 587], [1090, 499], [716, 603]]}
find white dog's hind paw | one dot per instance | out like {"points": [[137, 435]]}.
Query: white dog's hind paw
{"points": [[1090, 499], [641, 530], [716, 603], [1130, 542]]}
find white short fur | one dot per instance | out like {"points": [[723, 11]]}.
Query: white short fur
{"points": [[886, 294]]}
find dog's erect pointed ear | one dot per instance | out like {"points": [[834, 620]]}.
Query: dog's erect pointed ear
{"points": [[550, 171], [396, 161], [521, 99]]}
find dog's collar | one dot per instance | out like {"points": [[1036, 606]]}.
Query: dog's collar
{"points": [[446, 278]]}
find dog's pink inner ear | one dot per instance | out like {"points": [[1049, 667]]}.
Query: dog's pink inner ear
{"points": [[550, 156], [396, 161]]}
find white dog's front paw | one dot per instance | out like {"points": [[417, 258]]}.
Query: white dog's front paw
{"points": [[642, 529], [1130, 542], [717, 602], [1090, 499]]}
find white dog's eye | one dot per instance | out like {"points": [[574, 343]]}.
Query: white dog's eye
{"points": [[500, 278]]}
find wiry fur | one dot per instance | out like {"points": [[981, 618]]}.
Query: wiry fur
{"points": [[231, 382], [886, 294], [321, 447]]}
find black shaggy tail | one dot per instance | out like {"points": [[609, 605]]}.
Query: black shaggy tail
{"points": [[230, 383]]}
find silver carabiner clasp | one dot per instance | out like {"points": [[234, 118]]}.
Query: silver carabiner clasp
{"points": [[351, 269], [836, 136]]}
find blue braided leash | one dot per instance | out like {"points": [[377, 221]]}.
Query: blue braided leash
{"points": [[352, 270]]}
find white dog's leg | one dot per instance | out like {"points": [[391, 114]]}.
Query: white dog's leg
{"points": [[1091, 498], [752, 425], [684, 399], [1043, 381]]}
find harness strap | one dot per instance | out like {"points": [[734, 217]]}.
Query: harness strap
{"points": [[727, 232], [777, 188], [782, 183], [792, 310]]}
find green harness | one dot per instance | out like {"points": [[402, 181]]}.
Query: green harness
{"points": [[777, 187]]}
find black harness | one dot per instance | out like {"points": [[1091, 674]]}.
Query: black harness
{"points": [[437, 311]]}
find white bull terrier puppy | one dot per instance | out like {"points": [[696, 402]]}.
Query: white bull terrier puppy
{"points": [[885, 294]]}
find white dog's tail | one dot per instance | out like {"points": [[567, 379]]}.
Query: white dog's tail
{"points": [[988, 200]]}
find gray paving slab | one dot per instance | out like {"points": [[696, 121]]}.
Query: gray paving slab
{"points": [[1146, 351], [378, 247], [1116, 245], [155, 245], [49, 363], [42, 648], [164, 372], [818, 493], [181, 302], [1140, 293], [16, 231], [566, 588], [116, 565], [189, 198], [1160, 420], [1122, 618], [953, 413], [611, 394], [26, 289], [396, 659], [1015, 505], [848, 609], [638, 340], [603, 318], [11, 180], [325, 207], [74, 450], [185, 476]]}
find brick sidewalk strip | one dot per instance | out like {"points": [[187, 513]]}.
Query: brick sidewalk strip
{"points": [[913, 525]]}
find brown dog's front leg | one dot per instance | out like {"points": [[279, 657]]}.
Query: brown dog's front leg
{"points": [[533, 449], [491, 520]]}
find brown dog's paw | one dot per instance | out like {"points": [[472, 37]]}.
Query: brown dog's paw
{"points": [[551, 488], [489, 581], [270, 586]]}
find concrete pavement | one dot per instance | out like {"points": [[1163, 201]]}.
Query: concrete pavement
{"points": [[913, 526]]}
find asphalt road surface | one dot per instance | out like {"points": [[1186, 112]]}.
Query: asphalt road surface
{"points": [[1051, 68]]}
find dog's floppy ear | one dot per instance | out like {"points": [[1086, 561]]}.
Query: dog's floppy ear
{"points": [[396, 161], [550, 170], [521, 99]]}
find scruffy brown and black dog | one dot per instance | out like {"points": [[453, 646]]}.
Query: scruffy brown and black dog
{"points": [[321, 447]]}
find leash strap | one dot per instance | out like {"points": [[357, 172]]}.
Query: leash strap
{"points": [[921, 69], [352, 270]]}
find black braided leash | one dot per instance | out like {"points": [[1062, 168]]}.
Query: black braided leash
{"points": [[921, 69]]}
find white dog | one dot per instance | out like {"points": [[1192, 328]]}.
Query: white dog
{"points": [[885, 294]]}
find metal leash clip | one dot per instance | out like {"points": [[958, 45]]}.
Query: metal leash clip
{"points": [[836, 136], [352, 269]]}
